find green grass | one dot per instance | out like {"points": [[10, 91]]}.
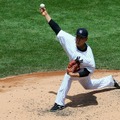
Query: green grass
{"points": [[27, 43]]}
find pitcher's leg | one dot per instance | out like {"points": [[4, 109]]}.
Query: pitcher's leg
{"points": [[87, 83], [103, 82], [63, 90]]}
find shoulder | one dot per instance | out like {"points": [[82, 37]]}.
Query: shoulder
{"points": [[62, 33], [89, 48]]}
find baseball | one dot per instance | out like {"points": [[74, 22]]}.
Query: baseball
{"points": [[42, 5]]}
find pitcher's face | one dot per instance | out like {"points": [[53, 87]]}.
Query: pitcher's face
{"points": [[80, 41]]}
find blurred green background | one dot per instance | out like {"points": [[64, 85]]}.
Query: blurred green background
{"points": [[27, 43]]}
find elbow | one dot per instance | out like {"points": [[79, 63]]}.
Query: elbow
{"points": [[84, 73]]}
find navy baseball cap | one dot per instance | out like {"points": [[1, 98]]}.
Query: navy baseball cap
{"points": [[82, 32]]}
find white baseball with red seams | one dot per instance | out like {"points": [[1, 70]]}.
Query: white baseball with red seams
{"points": [[42, 5]]}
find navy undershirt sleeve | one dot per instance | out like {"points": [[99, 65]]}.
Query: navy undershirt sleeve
{"points": [[84, 73], [55, 27]]}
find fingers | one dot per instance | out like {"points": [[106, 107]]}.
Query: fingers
{"points": [[69, 70], [42, 9]]}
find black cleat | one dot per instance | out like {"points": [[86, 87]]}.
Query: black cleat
{"points": [[116, 84], [56, 107]]}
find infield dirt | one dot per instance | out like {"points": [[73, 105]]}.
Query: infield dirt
{"points": [[30, 96]]}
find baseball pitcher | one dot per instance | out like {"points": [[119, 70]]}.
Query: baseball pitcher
{"points": [[81, 65]]}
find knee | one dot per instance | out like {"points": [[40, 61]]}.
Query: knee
{"points": [[88, 87]]}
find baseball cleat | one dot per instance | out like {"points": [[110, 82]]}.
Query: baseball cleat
{"points": [[56, 107], [116, 84]]}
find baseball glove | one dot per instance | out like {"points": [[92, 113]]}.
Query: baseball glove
{"points": [[73, 66]]}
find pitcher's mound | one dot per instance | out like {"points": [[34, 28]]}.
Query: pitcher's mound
{"points": [[30, 96]]}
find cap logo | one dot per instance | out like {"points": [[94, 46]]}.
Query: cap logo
{"points": [[80, 31]]}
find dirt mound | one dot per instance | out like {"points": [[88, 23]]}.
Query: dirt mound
{"points": [[30, 96]]}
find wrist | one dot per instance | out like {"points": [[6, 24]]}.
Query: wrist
{"points": [[76, 74], [47, 16]]}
